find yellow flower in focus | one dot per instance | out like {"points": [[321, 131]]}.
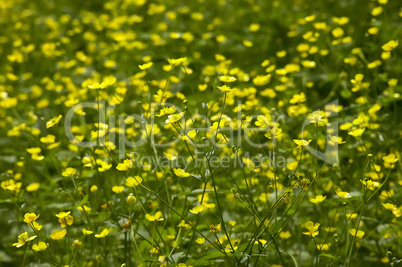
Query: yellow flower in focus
{"points": [[58, 234], [180, 172], [156, 217], [166, 111], [318, 199], [358, 234], [301, 143], [174, 117], [105, 232], [312, 229], [65, 218], [133, 181], [22, 239], [30, 218], [198, 209], [125, 166], [52, 122]]}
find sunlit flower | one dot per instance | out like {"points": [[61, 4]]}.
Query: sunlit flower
{"points": [[180, 172], [58, 234], [358, 233], [153, 218], [22, 239], [41, 246], [342, 194], [318, 199], [301, 143], [105, 232], [174, 117]]}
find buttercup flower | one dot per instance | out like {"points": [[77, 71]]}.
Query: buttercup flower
{"points": [[312, 229], [22, 239]]}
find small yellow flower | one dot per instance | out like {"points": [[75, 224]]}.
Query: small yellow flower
{"points": [[342, 194], [312, 229], [40, 246], [336, 140], [33, 187], [318, 199], [53, 121], [174, 117], [227, 79], [58, 234], [358, 234], [215, 228], [166, 111], [180, 172], [225, 89], [198, 209], [389, 161], [30, 217], [69, 172], [65, 218], [86, 232], [390, 45], [125, 166], [131, 199], [118, 189], [145, 66], [105, 232], [22, 239], [177, 62], [156, 217], [200, 240], [285, 235], [301, 143], [133, 181], [356, 132], [108, 81]]}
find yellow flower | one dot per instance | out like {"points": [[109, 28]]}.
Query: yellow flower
{"points": [[358, 234], [58, 234], [53, 121], [227, 79], [318, 199], [336, 139], [356, 132], [285, 235], [166, 111], [180, 172], [30, 217], [133, 181], [200, 240], [40, 246], [65, 218], [145, 66], [198, 209], [389, 161], [84, 208], [125, 166], [22, 239], [312, 229], [105, 232], [174, 117], [177, 62], [68, 172], [225, 89], [108, 81], [323, 247], [342, 194], [215, 228], [156, 217], [33, 187], [86, 232], [301, 143], [131, 199], [118, 189], [390, 45]]}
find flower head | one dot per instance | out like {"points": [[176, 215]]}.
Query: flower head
{"points": [[358, 233], [180, 172], [227, 79], [389, 161], [22, 239], [174, 117], [301, 143], [342, 194], [312, 229], [29, 218], [153, 218]]}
